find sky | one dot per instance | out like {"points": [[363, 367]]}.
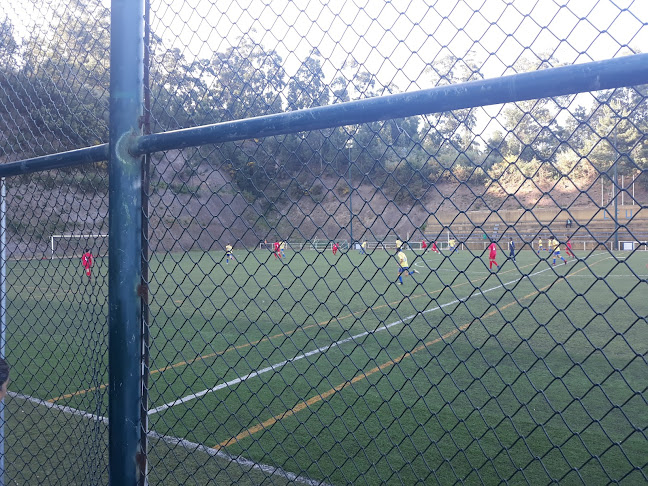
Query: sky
{"points": [[395, 40], [398, 40]]}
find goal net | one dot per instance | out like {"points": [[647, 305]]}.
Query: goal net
{"points": [[323, 245], [632, 245], [68, 246]]}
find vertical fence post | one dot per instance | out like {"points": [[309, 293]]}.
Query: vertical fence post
{"points": [[146, 128], [125, 222], [3, 312]]}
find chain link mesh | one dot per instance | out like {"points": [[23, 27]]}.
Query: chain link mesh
{"points": [[288, 340], [54, 77]]}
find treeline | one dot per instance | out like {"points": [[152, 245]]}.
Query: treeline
{"points": [[54, 96]]}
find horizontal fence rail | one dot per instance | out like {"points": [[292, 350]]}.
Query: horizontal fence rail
{"points": [[614, 73]]}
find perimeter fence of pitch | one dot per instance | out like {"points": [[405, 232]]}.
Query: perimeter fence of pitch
{"points": [[204, 128]]}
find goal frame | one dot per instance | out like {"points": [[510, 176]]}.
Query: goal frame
{"points": [[62, 236], [636, 245]]}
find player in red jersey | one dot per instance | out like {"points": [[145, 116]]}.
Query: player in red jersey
{"points": [[568, 249], [492, 255], [434, 247], [277, 248], [423, 245], [334, 248], [86, 261]]}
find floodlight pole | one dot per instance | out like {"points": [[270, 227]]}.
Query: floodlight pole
{"points": [[615, 185], [350, 198]]}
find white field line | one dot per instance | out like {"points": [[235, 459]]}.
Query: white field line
{"points": [[629, 275], [241, 461], [62, 408], [219, 452], [322, 349]]}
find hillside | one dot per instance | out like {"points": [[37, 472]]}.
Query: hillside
{"points": [[203, 209]]}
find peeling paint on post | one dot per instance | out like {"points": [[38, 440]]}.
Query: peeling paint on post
{"points": [[125, 220]]}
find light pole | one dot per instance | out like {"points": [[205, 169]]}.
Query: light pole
{"points": [[350, 197], [615, 185]]}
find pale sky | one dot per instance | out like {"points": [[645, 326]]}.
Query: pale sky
{"points": [[397, 39], [393, 40]]}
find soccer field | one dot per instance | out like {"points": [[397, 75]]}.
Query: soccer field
{"points": [[531, 373]]}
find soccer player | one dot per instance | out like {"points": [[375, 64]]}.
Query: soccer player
{"points": [[363, 247], [283, 246], [424, 245], [568, 249], [277, 248], [555, 248], [334, 248], [403, 267], [86, 261], [399, 244], [540, 245], [228, 253], [434, 247], [511, 249], [492, 255], [451, 245]]}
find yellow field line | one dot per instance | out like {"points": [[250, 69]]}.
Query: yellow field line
{"points": [[323, 396], [275, 336], [47, 293]]}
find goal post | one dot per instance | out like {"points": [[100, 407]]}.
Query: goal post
{"points": [[631, 245], [67, 246]]}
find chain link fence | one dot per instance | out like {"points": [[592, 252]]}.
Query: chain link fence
{"points": [[381, 273]]}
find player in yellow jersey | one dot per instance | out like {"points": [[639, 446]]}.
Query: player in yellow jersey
{"points": [[540, 245], [399, 244], [403, 267], [555, 248]]}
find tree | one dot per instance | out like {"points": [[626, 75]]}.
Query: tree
{"points": [[496, 148], [578, 129], [533, 128], [308, 88], [247, 81], [451, 126], [448, 137], [8, 46], [179, 94], [65, 76], [10, 134], [619, 134]]}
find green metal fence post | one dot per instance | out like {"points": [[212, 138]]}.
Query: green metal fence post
{"points": [[125, 222], [3, 313]]}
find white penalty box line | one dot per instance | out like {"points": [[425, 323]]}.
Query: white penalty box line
{"points": [[328, 347], [175, 441]]}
